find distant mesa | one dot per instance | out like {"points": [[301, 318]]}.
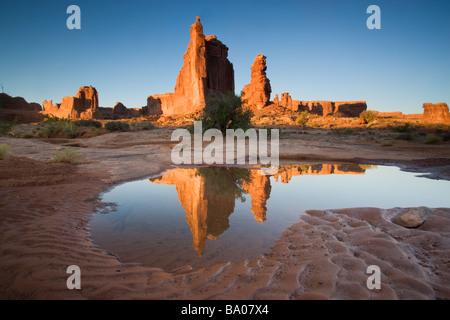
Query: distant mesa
{"points": [[18, 108], [322, 108], [257, 92], [437, 113], [206, 68]]}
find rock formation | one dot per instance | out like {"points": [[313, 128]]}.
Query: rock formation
{"points": [[153, 107], [438, 113], [322, 108], [286, 101], [350, 108], [205, 68], [257, 92], [84, 105], [17, 107]]}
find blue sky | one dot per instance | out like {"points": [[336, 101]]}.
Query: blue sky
{"points": [[316, 50]]}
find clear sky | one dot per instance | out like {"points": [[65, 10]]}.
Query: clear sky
{"points": [[316, 50]]}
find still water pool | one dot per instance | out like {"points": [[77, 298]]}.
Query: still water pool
{"points": [[209, 215]]}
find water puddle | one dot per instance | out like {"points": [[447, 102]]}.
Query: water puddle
{"points": [[209, 215]]}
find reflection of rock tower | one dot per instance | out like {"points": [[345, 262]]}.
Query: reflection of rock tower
{"points": [[259, 189], [207, 213]]}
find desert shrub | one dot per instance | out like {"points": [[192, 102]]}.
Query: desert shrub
{"points": [[55, 127], [387, 144], [344, 131], [432, 139], [70, 130], [142, 125], [4, 150], [446, 136], [6, 127], [117, 126], [225, 111], [368, 116], [88, 123], [404, 136], [405, 128], [67, 155], [302, 120]]}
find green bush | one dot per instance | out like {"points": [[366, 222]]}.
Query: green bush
{"points": [[368, 116], [432, 139], [405, 128], [117, 126], [303, 119], [404, 136], [88, 123], [446, 136], [6, 127], [67, 155], [344, 131], [225, 111], [55, 127], [4, 150], [142, 125]]}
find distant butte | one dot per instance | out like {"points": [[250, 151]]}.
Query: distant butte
{"points": [[84, 105]]}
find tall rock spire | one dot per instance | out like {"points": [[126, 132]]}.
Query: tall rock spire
{"points": [[257, 92], [206, 67]]}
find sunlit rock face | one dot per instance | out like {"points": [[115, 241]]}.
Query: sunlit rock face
{"points": [[438, 113], [206, 67], [84, 105], [322, 108], [257, 93]]}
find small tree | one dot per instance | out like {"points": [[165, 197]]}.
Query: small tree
{"points": [[225, 111], [303, 119], [368, 116]]}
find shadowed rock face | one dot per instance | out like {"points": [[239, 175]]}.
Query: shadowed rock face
{"points": [[17, 107], [436, 112], [257, 92], [84, 105], [206, 67]]}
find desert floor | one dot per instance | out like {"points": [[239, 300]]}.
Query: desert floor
{"points": [[45, 209]]}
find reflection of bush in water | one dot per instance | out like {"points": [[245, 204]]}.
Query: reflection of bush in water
{"points": [[225, 180], [368, 166]]}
